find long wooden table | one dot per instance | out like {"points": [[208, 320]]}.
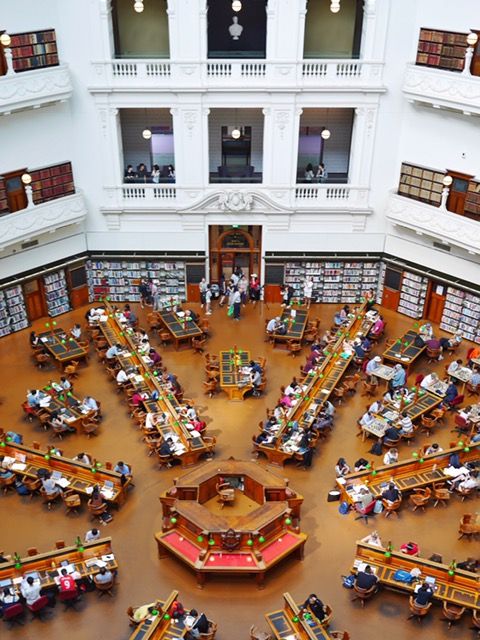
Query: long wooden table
{"points": [[461, 589], [189, 448], [404, 355], [232, 380], [81, 477], [48, 565], [295, 326], [288, 623], [318, 386], [61, 346], [157, 627], [408, 475], [66, 404], [181, 329]]}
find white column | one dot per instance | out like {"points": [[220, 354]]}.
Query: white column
{"points": [[368, 29], [363, 138], [106, 30], [285, 18], [188, 141], [110, 145], [280, 144], [187, 29]]}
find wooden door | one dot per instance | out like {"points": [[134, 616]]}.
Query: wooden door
{"points": [[458, 191], [16, 196], [272, 293], [34, 301], [435, 301], [391, 288]]}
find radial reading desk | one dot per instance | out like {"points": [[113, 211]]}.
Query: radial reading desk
{"points": [[66, 404], [75, 475], [288, 623], [257, 531], [404, 355], [232, 380], [181, 329], [295, 325], [62, 347], [49, 564], [461, 588], [160, 626]]}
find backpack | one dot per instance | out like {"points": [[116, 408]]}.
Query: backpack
{"points": [[343, 508], [16, 437], [378, 508], [376, 448], [348, 581], [454, 461], [402, 576], [21, 489]]}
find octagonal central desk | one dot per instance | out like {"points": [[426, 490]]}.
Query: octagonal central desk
{"points": [[250, 536]]}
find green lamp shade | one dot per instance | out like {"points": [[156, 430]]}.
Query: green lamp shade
{"points": [[451, 572], [249, 542], [199, 538], [288, 521], [173, 520], [166, 616], [211, 542], [261, 539]]}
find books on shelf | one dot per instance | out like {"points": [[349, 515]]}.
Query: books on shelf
{"points": [[50, 183], [34, 50], [119, 280], [441, 49], [421, 183], [412, 295], [56, 293], [472, 201], [3, 197], [462, 311], [13, 314]]}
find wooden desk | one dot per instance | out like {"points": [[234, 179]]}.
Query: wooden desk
{"points": [[423, 403], [463, 375], [384, 372], [288, 622], [181, 330], [48, 564], [81, 477], [438, 388], [232, 380], [407, 474], [62, 353], [295, 326], [250, 539], [66, 404], [157, 627], [319, 385], [461, 589], [400, 354], [192, 447]]}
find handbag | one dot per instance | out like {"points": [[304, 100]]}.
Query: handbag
{"points": [[230, 311]]}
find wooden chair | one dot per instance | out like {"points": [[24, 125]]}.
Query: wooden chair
{"points": [[28, 412], [328, 616], [32, 551], [338, 394], [451, 613], [165, 461], [42, 360], [340, 635], [212, 630], [408, 437], [390, 508], [226, 493], [441, 495], [468, 526], [152, 445], [7, 484], [310, 335], [212, 374], [472, 389], [205, 326], [439, 414], [71, 370], [369, 389], [212, 361], [33, 485], [104, 587], [49, 499], [198, 344], [14, 614], [350, 383], [72, 501], [433, 354], [210, 388], [262, 362], [428, 424], [210, 442], [165, 337], [420, 498], [89, 428], [294, 347], [476, 622], [417, 612], [364, 594], [463, 494], [256, 634], [153, 322], [96, 512]]}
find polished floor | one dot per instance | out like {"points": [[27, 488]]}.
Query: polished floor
{"points": [[234, 604]]}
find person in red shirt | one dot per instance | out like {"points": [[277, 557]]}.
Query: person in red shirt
{"points": [[67, 582]]}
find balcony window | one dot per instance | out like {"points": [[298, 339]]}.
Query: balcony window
{"points": [[237, 34], [140, 35], [236, 145], [324, 159], [148, 152], [333, 35]]}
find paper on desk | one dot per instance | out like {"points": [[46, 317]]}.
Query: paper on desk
{"points": [[108, 557], [63, 482], [89, 490], [107, 493], [18, 466]]}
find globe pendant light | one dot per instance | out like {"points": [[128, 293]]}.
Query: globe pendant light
{"points": [[236, 5], [146, 133], [326, 134], [138, 6], [335, 6], [236, 133]]}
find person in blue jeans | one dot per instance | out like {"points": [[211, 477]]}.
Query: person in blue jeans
{"points": [[237, 304]]}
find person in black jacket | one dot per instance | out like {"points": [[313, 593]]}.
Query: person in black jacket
{"points": [[391, 494], [366, 579], [423, 595], [316, 606]]}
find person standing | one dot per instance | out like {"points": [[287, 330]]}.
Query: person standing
{"points": [[143, 290], [242, 287], [222, 287], [208, 300], [202, 288], [237, 303], [308, 291], [254, 288]]}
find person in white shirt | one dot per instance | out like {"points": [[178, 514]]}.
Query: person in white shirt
{"points": [[122, 468], [433, 448], [454, 366], [90, 403], [426, 331], [76, 331], [391, 456], [429, 380], [122, 377], [208, 300], [376, 406], [82, 457], [308, 291], [367, 419], [373, 364], [405, 423], [144, 347], [50, 487], [8, 597], [92, 535], [273, 325], [373, 539], [30, 590]]}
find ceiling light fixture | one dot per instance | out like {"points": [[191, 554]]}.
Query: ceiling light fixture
{"points": [[138, 6], [26, 178], [147, 132], [236, 133], [5, 40], [236, 5], [335, 6]]}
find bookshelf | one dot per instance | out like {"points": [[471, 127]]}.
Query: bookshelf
{"points": [[34, 50], [120, 279], [3, 198], [441, 49], [56, 293], [462, 311], [13, 314], [412, 295], [471, 208], [421, 183], [49, 183]]}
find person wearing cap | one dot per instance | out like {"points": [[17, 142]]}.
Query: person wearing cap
{"points": [[399, 377], [373, 364]]}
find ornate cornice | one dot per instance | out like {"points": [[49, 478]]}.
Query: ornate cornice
{"points": [[34, 88]]}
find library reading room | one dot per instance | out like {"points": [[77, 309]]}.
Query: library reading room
{"points": [[240, 319]]}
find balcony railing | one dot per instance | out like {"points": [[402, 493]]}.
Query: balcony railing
{"points": [[435, 222], [43, 218], [327, 195], [34, 88], [125, 75], [440, 88]]}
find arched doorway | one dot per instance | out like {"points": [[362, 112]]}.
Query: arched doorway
{"points": [[234, 247]]}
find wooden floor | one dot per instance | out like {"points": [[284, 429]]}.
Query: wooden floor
{"points": [[234, 604]]}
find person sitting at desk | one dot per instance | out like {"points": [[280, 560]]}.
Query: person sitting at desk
{"points": [[93, 315], [376, 406], [391, 493], [288, 400], [140, 335], [423, 595], [466, 482], [341, 316], [82, 457], [130, 316], [322, 421], [367, 419], [154, 419], [76, 331], [363, 499], [391, 456], [104, 576], [429, 380], [366, 579], [92, 535], [67, 580], [452, 398], [65, 384], [129, 175], [34, 339], [373, 539], [50, 486], [155, 357], [8, 597], [201, 625], [96, 498], [316, 606], [475, 379], [293, 387], [405, 423], [274, 325], [433, 448], [372, 365], [426, 331], [144, 347], [347, 347], [360, 465], [377, 328], [114, 351], [264, 437], [399, 377], [358, 348], [122, 378], [434, 344], [138, 398], [166, 448], [90, 403], [122, 468], [30, 590], [34, 397], [454, 366], [392, 433], [5, 465], [59, 423], [341, 468], [256, 381]]}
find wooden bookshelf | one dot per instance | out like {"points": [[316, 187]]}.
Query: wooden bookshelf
{"points": [[34, 50], [472, 201], [441, 49], [412, 295], [421, 183], [53, 182], [3, 197]]}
